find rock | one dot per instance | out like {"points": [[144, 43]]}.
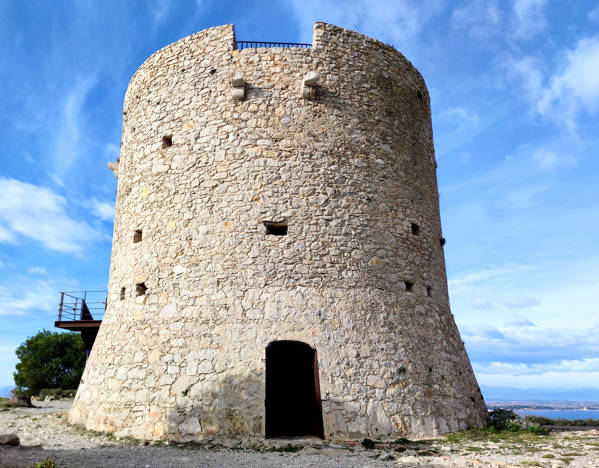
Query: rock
{"points": [[311, 79], [311, 450], [9, 439]]}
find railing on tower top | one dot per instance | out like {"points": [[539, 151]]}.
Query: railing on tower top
{"points": [[81, 305], [256, 44]]}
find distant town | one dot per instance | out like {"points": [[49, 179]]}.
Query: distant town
{"points": [[528, 405]]}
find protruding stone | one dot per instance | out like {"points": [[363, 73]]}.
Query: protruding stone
{"points": [[238, 81], [311, 79], [114, 167]]}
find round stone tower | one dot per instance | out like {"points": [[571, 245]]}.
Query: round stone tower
{"points": [[277, 265]]}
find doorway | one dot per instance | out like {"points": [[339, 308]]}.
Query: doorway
{"points": [[292, 404]]}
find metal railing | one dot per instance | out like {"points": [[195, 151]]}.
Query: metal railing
{"points": [[81, 305], [256, 44]]}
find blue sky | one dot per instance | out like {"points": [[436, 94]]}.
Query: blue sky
{"points": [[515, 100]]}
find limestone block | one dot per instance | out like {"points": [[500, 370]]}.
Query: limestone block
{"points": [[311, 79], [191, 425]]}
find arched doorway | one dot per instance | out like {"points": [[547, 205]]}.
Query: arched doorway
{"points": [[292, 402]]}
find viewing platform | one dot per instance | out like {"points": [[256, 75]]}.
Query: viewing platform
{"points": [[82, 311]]}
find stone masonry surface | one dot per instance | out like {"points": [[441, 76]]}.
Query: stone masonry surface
{"points": [[360, 275]]}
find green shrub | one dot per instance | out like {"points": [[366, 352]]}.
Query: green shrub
{"points": [[368, 444], [47, 463], [500, 417]]}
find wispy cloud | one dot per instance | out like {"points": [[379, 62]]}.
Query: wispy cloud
{"points": [[480, 19], [512, 344], [37, 271], [563, 375], [465, 281], [40, 214], [103, 210], [549, 161], [460, 116], [31, 298], [394, 21], [529, 18], [68, 142], [572, 89]]}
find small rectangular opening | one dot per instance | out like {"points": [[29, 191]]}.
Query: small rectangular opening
{"points": [[137, 236], [415, 229], [409, 286], [167, 141], [123, 291], [140, 289], [429, 291], [276, 229]]}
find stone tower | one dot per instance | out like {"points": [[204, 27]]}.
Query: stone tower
{"points": [[277, 263]]}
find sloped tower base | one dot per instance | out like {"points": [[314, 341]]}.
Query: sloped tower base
{"points": [[277, 266]]}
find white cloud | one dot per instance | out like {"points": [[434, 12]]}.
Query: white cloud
{"points": [[40, 214], [563, 375], [467, 281], [103, 210], [398, 21], [576, 87], [31, 298], [568, 91], [5, 235], [160, 10], [68, 143], [480, 19], [549, 161], [460, 116], [37, 271], [529, 18]]}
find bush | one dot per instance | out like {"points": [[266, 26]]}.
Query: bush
{"points": [[368, 444], [49, 360], [507, 420], [47, 463], [499, 418]]}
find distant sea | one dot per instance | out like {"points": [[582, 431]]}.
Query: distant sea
{"points": [[562, 414]]}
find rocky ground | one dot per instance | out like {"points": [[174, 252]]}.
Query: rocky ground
{"points": [[44, 433]]}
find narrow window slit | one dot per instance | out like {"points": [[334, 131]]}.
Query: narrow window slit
{"points": [[140, 289], [122, 296], [415, 229], [137, 236], [409, 286], [276, 229], [429, 291], [167, 141]]}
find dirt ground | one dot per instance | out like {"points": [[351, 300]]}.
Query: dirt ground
{"points": [[43, 432]]}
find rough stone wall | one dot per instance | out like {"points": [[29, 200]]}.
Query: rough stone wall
{"points": [[350, 172]]}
